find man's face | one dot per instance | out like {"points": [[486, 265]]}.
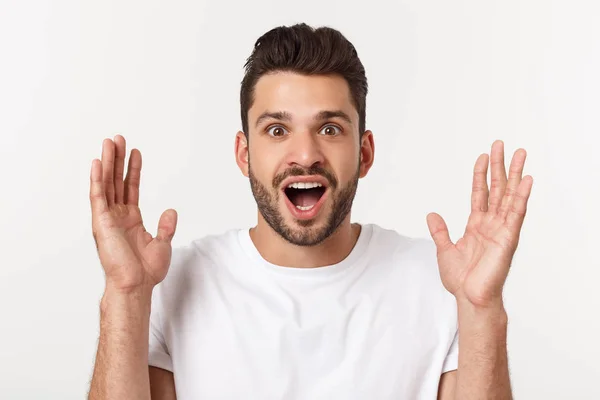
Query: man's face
{"points": [[303, 154]]}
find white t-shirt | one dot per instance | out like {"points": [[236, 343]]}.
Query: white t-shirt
{"points": [[378, 325]]}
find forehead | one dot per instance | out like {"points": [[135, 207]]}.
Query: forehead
{"points": [[303, 96]]}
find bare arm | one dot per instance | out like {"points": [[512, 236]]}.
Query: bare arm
{"points": [[121, 368], [475, 268], [482, 359], [134, 262], [162, 384], [447, 386]]}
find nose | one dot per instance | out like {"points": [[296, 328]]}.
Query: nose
{"points": [[305, 150]]}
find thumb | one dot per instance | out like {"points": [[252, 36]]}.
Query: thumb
{"points": [[439, 232], [166, 225]]}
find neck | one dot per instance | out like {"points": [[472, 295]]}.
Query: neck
{"points": [[276, 250]]}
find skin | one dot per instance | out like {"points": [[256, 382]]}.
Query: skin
{"points": [[473, 269], [134, 262], [301, 144]]}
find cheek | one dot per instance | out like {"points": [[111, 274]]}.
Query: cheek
{"points": [[345, 164], [265, 161], [262, 168]]}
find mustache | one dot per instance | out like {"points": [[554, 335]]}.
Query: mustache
{"points": [[314, 170]]}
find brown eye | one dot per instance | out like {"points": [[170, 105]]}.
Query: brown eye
{"points": [[276, 131], [330, 130]]}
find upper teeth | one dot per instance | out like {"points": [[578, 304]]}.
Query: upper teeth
{"points": [[304, 185]]}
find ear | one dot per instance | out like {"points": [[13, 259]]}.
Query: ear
{"points": [[367, 153], [241, 152]]}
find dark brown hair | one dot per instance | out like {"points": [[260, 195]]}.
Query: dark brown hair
{"points": [[306, 50]]}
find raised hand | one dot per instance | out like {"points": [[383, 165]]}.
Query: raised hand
{"points": [[130, 256], [476, 267]]}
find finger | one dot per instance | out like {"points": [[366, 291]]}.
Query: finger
{"points": [[97, 196], [514, 179], [132, 181], [498, 175], [108, 163], [119, 167], [518, 207], [439, 232], [167, 225], [480, 192]]}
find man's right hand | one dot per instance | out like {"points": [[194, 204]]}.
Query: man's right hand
{"points": [[131, 257]]}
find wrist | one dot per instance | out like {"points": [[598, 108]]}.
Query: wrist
{"points": [[139, 296], [493, 314], [480, 303]]}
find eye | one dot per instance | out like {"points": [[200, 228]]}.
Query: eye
{"points": [[276, 131], [330, 130]]}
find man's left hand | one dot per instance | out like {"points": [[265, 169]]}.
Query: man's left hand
{"points": [[475, 268]]}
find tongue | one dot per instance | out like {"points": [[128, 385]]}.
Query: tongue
{"points": [[307, 197]]}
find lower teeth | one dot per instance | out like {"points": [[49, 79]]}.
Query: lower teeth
{"points": [[305, 208]]}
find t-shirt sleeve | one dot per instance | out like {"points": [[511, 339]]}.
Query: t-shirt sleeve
{"points": [[158, 352], [451, 361]]}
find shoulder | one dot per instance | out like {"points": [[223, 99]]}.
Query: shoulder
{"points": [[422, 306], [418, 252], [193, 263], [207, 250], [414, 263]]}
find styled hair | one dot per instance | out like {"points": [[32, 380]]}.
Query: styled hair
{"points": [[302, 49]]}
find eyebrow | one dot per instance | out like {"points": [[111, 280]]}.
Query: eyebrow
{"points": [[323, 115], [287, 117], [278, 115]]}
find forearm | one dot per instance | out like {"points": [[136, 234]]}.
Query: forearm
{"points": [[482, 360], [121, 367]]}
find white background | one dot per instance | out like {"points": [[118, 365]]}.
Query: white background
{"points": [[446, 79]]}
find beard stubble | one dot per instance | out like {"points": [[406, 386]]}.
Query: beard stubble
{"points": [[307, 234]]}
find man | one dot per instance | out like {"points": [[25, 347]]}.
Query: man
{"points": [[306, 304]]}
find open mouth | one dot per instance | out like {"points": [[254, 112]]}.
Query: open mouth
{"points": [[304, 195]]}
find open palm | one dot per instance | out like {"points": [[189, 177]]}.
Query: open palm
{"points": [[477, 265], [129, 254]]}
